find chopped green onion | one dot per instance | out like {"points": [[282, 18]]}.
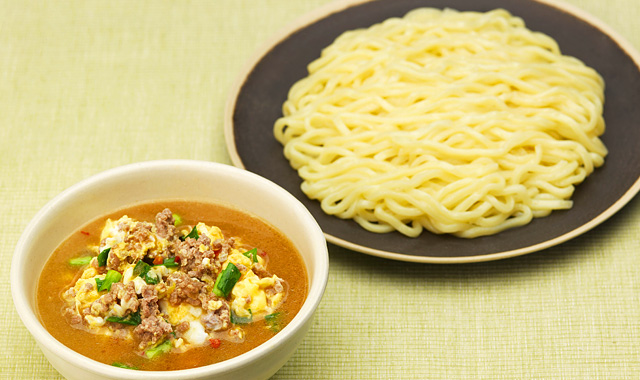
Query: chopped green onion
{"points": [[132, 319], [169, 263], [235, 319], [160, 349], [102, 257], [79, 261], [177, 220], [273, 321], [252, 254], [111, 278], [151, 278], [142, 269], [193, 234], [122, 365], [226, 280]]}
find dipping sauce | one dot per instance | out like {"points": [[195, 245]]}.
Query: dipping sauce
{"points": [[171, 285]]}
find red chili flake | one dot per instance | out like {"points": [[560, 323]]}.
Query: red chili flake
{"points": [[262, 253], [215, 343], [85, 233], [157, 260], [177, 260]]}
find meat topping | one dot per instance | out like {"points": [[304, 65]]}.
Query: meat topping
{"points": [[165, 288]]}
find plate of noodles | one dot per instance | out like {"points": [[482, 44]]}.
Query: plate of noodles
{"points": [[444, 131]]}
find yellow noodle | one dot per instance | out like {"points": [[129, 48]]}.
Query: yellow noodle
{"points": [[465, 123]]}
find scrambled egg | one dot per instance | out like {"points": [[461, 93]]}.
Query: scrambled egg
{"points": [[212, 232], [249, 297], [85, 290], [116, 236], [196, 333]]}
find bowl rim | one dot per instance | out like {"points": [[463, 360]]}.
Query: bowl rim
{"points": [[317, 283]]}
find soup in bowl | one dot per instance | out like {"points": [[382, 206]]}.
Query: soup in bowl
{"points": [[170, 269]]}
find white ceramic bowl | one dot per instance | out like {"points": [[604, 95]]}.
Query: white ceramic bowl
{"points": [[157, 180]]}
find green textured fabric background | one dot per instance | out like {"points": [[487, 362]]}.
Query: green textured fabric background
{"points": [[89, 85]]}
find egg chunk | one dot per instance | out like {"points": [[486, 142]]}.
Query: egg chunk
{"points": [[212, 232], [195, 334], [85, 291], [129, 241], [249, 297]]}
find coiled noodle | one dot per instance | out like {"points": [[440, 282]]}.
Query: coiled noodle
{"points": [[465, 123]]}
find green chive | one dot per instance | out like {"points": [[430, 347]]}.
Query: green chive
{"points": [[151, 278], [236, 320], [102, 257], [177, 220], [111, 278], [79, 261], [142, 269], [252, 254], [132, 319], [193, 234], [122, 365], [160, 349], [169, 263], [273, 321], [226, 280]]}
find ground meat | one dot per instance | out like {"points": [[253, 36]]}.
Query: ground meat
{"points": [[124, 295], [149, 302], [153, 327], [216, 317], [165, 224], [151, 330], [127, 296], [69, 295], [101, 306], [122, 226], [236, 335], [138, 235], [113, 262], [74, 318], [186, 289], [182, 327], [197, 263], [216, 321], [206, 297], [260, 270], [193, 261], [116, 288], [149, 293], [278, 287], [222, 248], [133, 249]]}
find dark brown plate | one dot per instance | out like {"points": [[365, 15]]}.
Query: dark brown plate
{"points": [[256, 103]]}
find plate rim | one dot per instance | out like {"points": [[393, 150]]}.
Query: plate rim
{"points": [[337, 6]]}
